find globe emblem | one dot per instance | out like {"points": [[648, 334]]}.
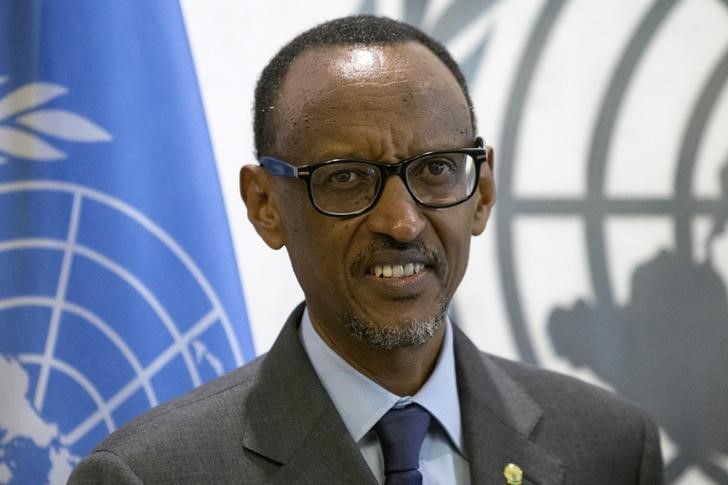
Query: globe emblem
{"points": [[661, 341], [80, 367], [653, 326], [664, 347]]}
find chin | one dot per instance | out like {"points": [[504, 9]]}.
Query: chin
{"points": [[396, 335]]}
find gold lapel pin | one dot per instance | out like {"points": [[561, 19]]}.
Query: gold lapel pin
{"points": [[513, 474]]}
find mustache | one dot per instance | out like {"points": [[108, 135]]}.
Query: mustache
{"points": [[418, 248]]}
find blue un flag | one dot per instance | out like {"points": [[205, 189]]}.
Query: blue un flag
{"points": [[118, 283]]}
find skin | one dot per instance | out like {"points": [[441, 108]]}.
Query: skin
{"points": [[384, 103]]}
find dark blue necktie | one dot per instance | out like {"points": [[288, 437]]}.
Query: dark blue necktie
{"points": [[401, 433]]}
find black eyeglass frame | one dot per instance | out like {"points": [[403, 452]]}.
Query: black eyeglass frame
{"points": [[280, 168]]}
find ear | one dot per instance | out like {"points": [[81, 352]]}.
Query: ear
{"points": [[485, 194], [256, 189]]}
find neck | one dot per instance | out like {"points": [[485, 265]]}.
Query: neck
{"points": [[401, 371]]}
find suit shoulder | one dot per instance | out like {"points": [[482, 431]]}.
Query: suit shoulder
{"points": [[558, 392], [209, 409], [596, 432]]}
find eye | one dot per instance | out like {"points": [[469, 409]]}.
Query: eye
{"points": [[344, 176], [437, 167]]}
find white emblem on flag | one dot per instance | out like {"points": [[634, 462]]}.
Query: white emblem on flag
{"points": [[19, 118]]}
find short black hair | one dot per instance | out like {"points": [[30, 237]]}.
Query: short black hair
{"points": [[353, 30]]}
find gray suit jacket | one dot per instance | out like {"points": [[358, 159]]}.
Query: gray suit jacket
{"points": [[271, 421]]}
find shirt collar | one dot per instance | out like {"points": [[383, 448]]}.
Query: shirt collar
{"points": [[361, 402]]}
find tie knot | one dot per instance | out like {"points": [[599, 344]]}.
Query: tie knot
{"points": [[401, 433]]}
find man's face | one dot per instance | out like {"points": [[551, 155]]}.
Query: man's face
{"points": [[383, 103]]}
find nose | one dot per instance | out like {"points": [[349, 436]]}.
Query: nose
{"points": [[396, 213]]}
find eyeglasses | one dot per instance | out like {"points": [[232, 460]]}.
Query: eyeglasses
{"points": [[344, 187]]}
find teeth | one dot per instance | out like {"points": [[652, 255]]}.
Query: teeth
{"points": [[409, 269], [396, 270]]}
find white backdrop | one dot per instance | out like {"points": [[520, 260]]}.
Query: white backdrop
{"points": [[609, 121]]}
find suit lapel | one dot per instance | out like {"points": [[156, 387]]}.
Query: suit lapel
{"points": [[498, 420], [291, 420]]}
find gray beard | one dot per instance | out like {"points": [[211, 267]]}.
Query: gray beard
{"points": [[409, 333]]}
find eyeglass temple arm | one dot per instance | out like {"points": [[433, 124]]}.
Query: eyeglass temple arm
{"points": [[480, 143], [279, 167]]}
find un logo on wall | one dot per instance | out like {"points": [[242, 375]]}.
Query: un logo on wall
{"points": [[92, 333], [654, 318], [610, 238]]}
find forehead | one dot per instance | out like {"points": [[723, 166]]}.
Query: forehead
{"points": [[330, 91]]}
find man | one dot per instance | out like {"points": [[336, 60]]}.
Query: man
{"points": [[372, 176]]}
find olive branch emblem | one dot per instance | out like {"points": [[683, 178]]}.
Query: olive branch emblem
{"points": [[21, 118]]}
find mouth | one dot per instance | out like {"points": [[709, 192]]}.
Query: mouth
{"points": [[398, 277], [392, 267], [395, 270]]}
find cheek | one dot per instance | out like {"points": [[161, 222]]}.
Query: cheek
{"points": [[297, 215], [454, 233], [460, 249], [318, 244]]}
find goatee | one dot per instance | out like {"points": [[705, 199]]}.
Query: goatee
{"points": [[403, 334]]}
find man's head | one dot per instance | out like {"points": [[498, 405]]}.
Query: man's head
{"points": [[385, 276]]}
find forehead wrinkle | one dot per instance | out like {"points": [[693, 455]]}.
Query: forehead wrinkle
{"points": [[340, 72], [418, 100], [377, 90], [379, 134], [316, 98], [335, 61], [370, 82]]}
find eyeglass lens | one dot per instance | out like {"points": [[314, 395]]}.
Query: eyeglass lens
{"points": [[436, 180]]}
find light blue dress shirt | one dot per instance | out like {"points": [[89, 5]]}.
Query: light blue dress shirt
{"points": [[361, 402]]}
